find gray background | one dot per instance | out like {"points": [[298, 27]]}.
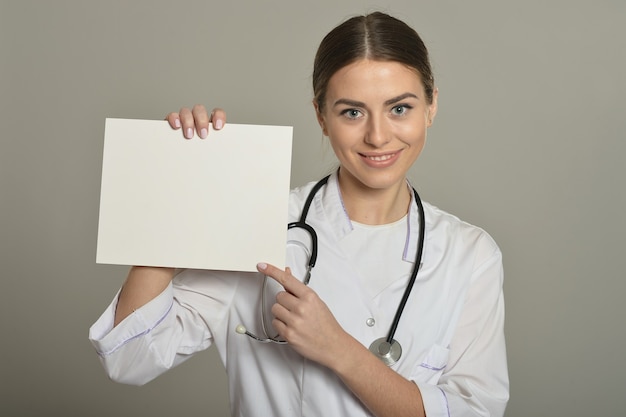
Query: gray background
{"points": [[528, 143]]}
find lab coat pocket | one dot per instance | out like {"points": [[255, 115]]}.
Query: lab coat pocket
{"points": [[431, 367]]}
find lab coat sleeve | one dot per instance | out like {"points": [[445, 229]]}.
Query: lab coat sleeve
{"points": [[158, 336], [475, 380]]}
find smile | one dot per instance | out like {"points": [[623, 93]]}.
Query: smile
{"points": [[380, 157], [381, 160]]}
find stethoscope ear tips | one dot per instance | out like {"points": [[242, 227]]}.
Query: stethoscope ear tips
{"points": [[241, 329]]}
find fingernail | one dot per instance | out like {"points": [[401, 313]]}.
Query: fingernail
{"points": [[218, 124], [189, 134], [261, 266], [177, 123], [203, 133]]}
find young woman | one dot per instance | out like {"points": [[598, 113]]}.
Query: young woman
{"points": [[403, 314]]}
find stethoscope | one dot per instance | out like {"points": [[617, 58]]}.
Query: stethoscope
{"points": [[387, 349]]}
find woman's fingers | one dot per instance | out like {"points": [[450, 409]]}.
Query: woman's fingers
{"points": [[303, 319], [218, 118], [288, 301], [201, 120], [173, 119], [196, 120], [284, 278], [187, 122]]}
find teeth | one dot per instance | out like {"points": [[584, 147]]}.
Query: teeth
{"points": [[380, 158]]}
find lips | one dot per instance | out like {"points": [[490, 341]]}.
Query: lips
{"points": [[380, 160]]}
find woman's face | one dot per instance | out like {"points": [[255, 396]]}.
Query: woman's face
{"points": [[376, 115]]}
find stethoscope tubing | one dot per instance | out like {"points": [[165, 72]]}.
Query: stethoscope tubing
{"points": [[301, 223], [418, 261], [387, 349]]}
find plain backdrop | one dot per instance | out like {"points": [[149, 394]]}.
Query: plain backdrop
{"points": [[528, 144]]}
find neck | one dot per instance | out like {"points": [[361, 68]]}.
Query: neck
{"points": [[375, 206]]}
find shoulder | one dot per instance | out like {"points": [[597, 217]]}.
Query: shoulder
{"points": [[441, 221], [459, 236]]}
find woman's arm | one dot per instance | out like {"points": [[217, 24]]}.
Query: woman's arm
{"points": [[475, 381], [381, 389], [144, 283], [165, 331], [304, 321]]}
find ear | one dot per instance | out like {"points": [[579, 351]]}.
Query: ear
{"points": [[320, 118], [432, 108]]}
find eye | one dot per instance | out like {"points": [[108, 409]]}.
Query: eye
{"points": [[352, 113], [400, 109]]}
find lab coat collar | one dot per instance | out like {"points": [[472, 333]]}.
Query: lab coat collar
{"points": [[330, 202]]}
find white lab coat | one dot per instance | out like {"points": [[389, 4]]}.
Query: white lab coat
{"points": [[451, 330]]}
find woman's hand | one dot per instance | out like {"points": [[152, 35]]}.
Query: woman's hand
{"points": [[196, 120], [304, 320], [306, 323]]}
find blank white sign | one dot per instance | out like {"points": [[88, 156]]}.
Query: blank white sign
{"points": [[214, 203]]}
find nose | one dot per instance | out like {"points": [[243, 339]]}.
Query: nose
{"points": [[378, 131]]}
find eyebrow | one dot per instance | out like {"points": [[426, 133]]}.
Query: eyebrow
{"points": [[393, 100]]}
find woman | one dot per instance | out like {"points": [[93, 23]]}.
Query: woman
{"points": [[375, 99]]}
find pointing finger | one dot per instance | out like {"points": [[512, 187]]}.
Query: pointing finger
{"points": [[284, 278]]}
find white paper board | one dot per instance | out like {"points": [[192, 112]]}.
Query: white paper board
{"points": [[214, 203]]}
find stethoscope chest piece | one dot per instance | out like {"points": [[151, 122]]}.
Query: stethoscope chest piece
{"points": [[387, 352]]}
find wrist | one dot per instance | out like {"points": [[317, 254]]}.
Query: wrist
{"points": [[350, 354]]}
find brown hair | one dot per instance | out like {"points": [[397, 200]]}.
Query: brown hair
{"points": [[375, 36]]}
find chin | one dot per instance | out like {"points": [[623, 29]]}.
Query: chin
{"points": [[380, 181]]}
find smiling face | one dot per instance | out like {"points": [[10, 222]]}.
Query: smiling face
{"points": [[376, 114]]}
